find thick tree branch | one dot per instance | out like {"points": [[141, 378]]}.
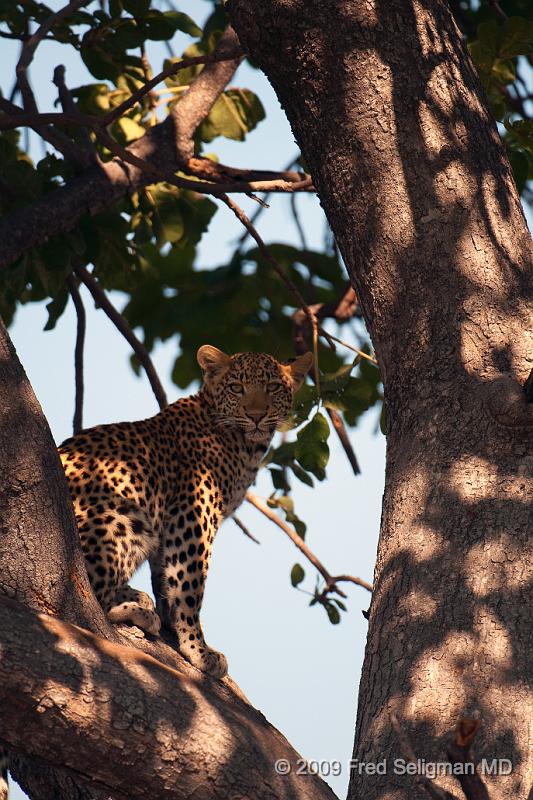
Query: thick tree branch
{"points": [[102, 301], [118, 719]]}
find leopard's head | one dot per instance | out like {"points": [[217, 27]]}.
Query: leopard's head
{"points": [[251, 391]]}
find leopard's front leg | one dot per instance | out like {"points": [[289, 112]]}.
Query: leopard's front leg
{"points": [[179, 571]]}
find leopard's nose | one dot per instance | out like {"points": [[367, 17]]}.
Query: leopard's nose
{"points": [[256, 416]]}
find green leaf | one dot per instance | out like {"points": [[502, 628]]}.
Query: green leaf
{"points": [[339, 603], [301, 474], [167, 219], [234, 114], [297, 574], [312, 450], [333, 613], [55, 309], [279, 480], [131, 129], [182, 22]]}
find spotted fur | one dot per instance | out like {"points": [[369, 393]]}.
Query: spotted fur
{"points": [[159, 489]]}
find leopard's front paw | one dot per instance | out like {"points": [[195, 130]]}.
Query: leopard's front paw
{"points": [[133, 614], [209, 661]]}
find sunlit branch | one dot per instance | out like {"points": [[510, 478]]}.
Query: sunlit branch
{"points": [[330, 580]]}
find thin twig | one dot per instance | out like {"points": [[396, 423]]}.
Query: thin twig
{"points": [[407, 749], [498, 9], [297, 222], [69, 106], [102, 300], [30, 46], [340, 429], [342, 309], [267, 255], [77, 423], [331, 580], [138, 95], [361, 353], [244, 529], [246, 233]]}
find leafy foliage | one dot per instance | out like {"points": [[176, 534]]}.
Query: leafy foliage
{"points": [[502, 51]]}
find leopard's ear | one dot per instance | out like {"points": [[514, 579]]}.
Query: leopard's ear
{"points": [[299, 369], [212, 360]]}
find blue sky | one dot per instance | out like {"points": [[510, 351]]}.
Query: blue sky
{"points": [[301, 671]]}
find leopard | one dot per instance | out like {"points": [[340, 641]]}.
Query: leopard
{"points": [[158, 489]]}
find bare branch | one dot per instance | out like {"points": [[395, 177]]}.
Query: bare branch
{"points": [[244, 529], [77, 423], [30, 46], [102, 301], [201, 187], [331, 580], [88, 152]]}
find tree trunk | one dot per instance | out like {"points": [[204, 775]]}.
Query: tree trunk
{"points": [[392, 122]]}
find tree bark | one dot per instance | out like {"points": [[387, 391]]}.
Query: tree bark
{"points": [[129, 724], [393, 124]]}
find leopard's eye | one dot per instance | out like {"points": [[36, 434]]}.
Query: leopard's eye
{"points": [[236, 388], [274, 386]]}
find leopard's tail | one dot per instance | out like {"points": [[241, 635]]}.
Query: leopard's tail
{"points": [[3, 774]]}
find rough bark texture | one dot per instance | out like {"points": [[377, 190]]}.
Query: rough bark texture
{"points": [[388, 111], [119, 718]]}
